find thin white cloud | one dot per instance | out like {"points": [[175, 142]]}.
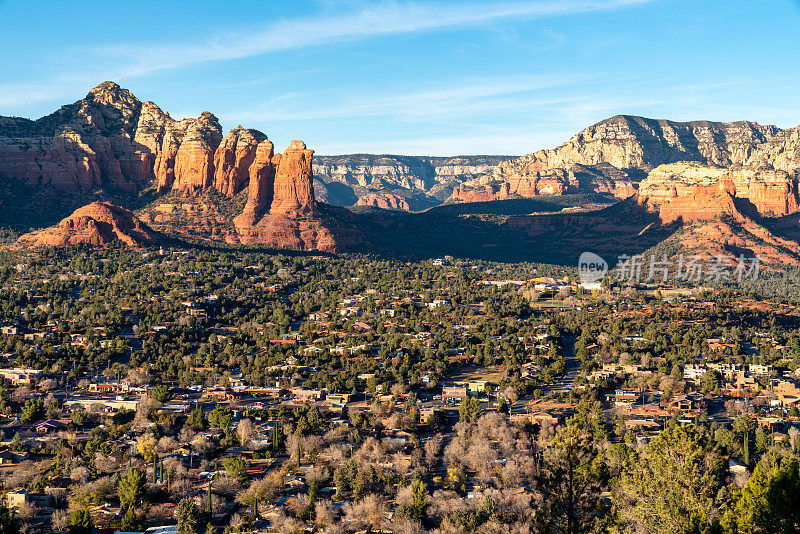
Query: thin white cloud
{"points": [[457, 98], [84, 68], [516, 143], [387, 18]]}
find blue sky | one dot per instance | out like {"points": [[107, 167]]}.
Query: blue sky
{"points": [[412, 77]]}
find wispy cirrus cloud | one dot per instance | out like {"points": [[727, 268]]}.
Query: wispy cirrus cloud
{"points": [[455, 98], [383, 19], [81, 67]]}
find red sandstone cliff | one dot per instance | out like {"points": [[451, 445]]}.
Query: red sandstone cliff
{"points": [[194, 162], [769, 191], [98, 223], [261, 185], [281, 210], [81, 146], [233, 159], [387, 201], [702, 203], [528, 183], [294, 182], [619, 150]]}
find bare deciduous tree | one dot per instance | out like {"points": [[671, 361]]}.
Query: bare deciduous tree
{"points": [[369, 512], [245, 430]]}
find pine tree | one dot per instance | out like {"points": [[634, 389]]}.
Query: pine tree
{"points": [[767, 503], [131, 488], [681, 469], [197, 419], [81, 522], [418, 505], [130, 522], [276, 435], [187, 517]]}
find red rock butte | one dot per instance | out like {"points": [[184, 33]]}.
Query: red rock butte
{"points": [[98, 224], [111, 140]]}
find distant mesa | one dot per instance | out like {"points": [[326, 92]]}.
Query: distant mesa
{"points": [[387, 201], [577, 178], [97, 224], [614, 155], [764, 190], [429, 180], [736, 181]]}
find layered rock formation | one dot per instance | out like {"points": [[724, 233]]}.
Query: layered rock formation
{"points": [[194, 161], [112, 141], [387, 201], [702, 203], [281, 209], [185, 157], [599, 178], [630, 142], [294, 183], [633, 146], [769, 191], [723, 177], [433, 177], [234, 158], [98, 223], [80, 147], [261, 184]]}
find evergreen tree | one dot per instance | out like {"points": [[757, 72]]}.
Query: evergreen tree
{"points": [[277, 435], [237, 468], [131, 488], [769, 500], [8, 521], [197, 420], [187, 517], [673, 485], [571, 492], [81, 522], [130, 522], [419, 498]]}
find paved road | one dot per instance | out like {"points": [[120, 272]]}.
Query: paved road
{"points": [[563, 384], [566, 382]]}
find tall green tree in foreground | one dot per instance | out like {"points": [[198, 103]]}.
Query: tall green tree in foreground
{"points": [[672, 486], [770, 501], [570, 490], [131, 488], [8, 522], [80, 522], [187, 517]]}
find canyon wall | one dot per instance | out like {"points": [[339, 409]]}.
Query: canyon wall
{"points": [[405, 176], [618, 152], [768, 191]]}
